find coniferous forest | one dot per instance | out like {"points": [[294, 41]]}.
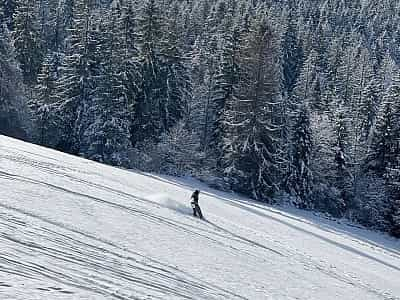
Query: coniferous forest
{"points": [[275, 99]]}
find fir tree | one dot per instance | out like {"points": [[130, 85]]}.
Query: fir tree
{"points": [[165, 85], [332, 62], [395, 230], [304, 96], [44, 104], [302, 176], [206, 77], [292, 53], [107, 137], [226, 80], [64, 22], [27, 40], [363, 109], [368, 109], [254, 165], [7, 10], [342, 176], [130, 52], [73, 88], [178, 80], [149, 108], [393, 179], [345, 77], [178, 151], [12, 104], [384, 148], [305, 88]]}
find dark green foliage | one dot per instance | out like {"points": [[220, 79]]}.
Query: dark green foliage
{"points": [[150, 114], [226, 80], [73, 85], [164, 86], [107, 137], [292, 56], [252, 163], [43, 105], [12, 104], [27, 42], [385, 149], [301, 177], [7, 10]]}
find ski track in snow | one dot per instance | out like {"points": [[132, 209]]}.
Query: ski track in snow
{"points": [[97, 265], [46, 254], [258, 209]]}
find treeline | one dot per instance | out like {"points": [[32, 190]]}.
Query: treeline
{"points": [[275, 99]]}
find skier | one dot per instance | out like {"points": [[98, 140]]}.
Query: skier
{"points": [[195, 204]]}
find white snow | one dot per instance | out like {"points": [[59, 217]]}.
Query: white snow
{"points": [[74, 229]]}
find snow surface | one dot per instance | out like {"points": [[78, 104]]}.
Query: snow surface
{"points": [[75, 229]]}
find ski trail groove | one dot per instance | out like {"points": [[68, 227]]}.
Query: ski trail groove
{"points": [[39, 246], [184, 228], [211, 291], [177, 225]]}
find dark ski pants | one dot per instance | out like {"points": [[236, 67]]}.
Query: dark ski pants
{"points": [[197, 210]]}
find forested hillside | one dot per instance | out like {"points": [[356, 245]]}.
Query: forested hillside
{"points": [[267, 98]]}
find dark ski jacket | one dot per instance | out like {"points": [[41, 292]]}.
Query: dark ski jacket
{"points": [[195, 197]]}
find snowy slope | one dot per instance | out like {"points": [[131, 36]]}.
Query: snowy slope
{"points": [[74, 229]]}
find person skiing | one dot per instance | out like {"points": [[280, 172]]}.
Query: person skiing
{"points": [[195, 204]]}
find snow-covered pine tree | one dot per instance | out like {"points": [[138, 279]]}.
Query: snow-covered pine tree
{"points": [[92, 109], [209, 66], [363, 110], [107, 136], [149, 108], [342, 176], [254, 167], [383, 155], [385, 74], [177, 152], [345, 75], [300, 177], [131, 53], [73, 87], [206, 64], [47, 19], [165, 86], [394, 191], [386, 135], [395, 230], [178, 82], [292, 53], [190, 25], [368, 107], [27, 42], [7, 9], [332, 59], [12, 104], [43, 105], [226, 79], [195, 106], [304, 90], [199, 12], [64, 22]]}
